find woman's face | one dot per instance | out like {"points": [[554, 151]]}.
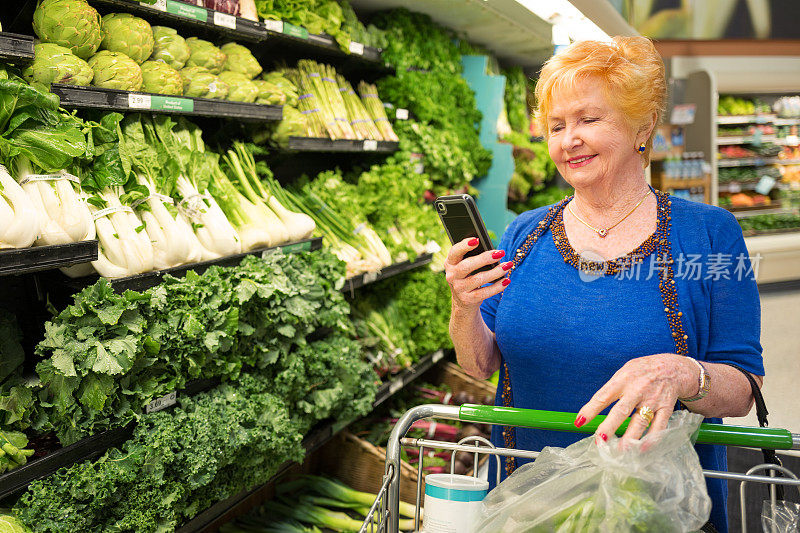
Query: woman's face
{"points": [[589, 139]]}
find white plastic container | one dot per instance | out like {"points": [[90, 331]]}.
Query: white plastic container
{"points": [[452, 503]]}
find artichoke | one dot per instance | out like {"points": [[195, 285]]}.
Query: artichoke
{"points": [[56, 64], [158, 77], [286, 87], [132, 36], [240, 87], [240, 59], [170, 48], [200, 83], [73, 24], [114, 70], [204, 54], [269, 93]]}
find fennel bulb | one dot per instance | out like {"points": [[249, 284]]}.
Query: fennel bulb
{"points": [[19, 218], [217, 236]]}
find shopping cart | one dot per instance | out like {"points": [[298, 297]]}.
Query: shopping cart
{"points": [[383, 516]]}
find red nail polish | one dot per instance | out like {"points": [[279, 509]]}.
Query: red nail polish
{"points": [[498, 254], [505, 282], [507, 266], [604, 437], [472, 242], [581, 420]]}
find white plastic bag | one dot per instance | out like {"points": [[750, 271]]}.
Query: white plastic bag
{"points": [[656, 484], [783, 518]]}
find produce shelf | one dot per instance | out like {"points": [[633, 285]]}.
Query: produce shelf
{"points": [[88, 448], [356, 282], [225, 510], [37, 258], [745, 119], [743, 212], [14, 47], [755, 162], [313, 144], [141, 282], [173, 12], [77, 97], [749, 139]]}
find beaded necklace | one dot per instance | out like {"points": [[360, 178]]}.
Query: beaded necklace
{"points": [[657, 243]]}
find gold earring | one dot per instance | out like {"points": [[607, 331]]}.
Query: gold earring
{"points": [[641, 148]]}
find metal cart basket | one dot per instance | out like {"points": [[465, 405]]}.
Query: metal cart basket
{"points": [[383, 516]]}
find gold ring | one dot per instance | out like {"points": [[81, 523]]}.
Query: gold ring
{"points": [[647, 414]]}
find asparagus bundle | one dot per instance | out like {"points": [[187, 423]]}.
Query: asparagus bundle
{"points": [[369, 96], [318, 80], [362, 123], [308, 104]]}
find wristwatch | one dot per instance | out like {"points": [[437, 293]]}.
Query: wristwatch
{"points": [[704, 383]]}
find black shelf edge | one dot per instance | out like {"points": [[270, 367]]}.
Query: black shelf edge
{"points": [[399, 381], [146, 280], [15, 47], [176, 12], [314, 144], [289, 35], [18, 479], [315, 439], [356, 282], [81, 97], [37, 258]]}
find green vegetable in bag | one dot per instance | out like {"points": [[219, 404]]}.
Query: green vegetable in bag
{"points": [[170, 48], [204, 54], [56, 64], [73, 24], [161, 78], [132, 36], [240, 59], [115, 70]]}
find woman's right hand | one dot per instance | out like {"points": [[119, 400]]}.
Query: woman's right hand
{"points": [[468, 289]]}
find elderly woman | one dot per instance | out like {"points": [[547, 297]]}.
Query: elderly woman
{"points": [[595, 309]]}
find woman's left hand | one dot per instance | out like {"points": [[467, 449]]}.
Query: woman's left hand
{"points": [[654, 381]]}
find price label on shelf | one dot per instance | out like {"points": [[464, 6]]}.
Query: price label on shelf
{"points": [[401, 114], [370, 277], [274, 25], [139, 101], [187, 10], [370, 145], [438, 356], [356, 48], [162, 403], [792, 140], [297, 247], [295, 31], [161, 5], [224, 20], [734, 187]]}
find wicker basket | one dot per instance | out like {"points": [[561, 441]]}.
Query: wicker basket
{"points": [[361, 465]]}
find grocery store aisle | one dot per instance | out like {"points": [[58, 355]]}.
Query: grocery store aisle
{"points": [[780, 337]]}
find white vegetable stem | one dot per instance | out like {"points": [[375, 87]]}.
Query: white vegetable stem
{"points": [[125, 247], [19, 219], [64, 217], [173, 240], [209, 224]]}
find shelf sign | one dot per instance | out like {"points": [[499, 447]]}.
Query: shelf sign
{"points": [[161, 5], [792, 140], [274, 25], [683, 114], [224, 20], [765, 185], [356, 48], [395, 386], [160, 103], [756, 139], [370, 145], [370, 277], [162, 403], [186, 10], [297, 247], [295, 31], [401, 114]]}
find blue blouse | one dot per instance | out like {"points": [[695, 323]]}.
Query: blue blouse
{"points": [[563, 334]]}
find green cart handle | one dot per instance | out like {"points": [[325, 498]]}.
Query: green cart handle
{"points": [[754, 437]]}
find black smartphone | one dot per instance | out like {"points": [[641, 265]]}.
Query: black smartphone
{"points": [[462, 220]]}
